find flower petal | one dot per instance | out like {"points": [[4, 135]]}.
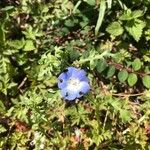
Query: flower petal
{"points": [[62, 80], [62, 84], [84, 87], [71, 96], [71, 91], [68, 94], [81, 75], [63, 76], [71, 70]]}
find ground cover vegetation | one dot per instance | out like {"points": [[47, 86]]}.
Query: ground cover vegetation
{"points": [[109, 40]]}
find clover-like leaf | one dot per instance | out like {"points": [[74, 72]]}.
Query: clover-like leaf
{"points": [[132, 79], [136, 64], [146, 81], [122, 75]]}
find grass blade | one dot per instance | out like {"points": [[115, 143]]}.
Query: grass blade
{"points": [[109, 3], [102, 9]]}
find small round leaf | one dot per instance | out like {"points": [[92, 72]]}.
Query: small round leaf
{"points": [[136, 64], [101, 65], [122, 75], [132, 79], [146, 81], [111, 71]]}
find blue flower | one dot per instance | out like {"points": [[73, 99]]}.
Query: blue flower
{"points": [[73, 83]]}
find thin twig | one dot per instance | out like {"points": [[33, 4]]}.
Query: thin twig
{"points": [[22, 83], [104, 124], [128, 94], [78, 48]]}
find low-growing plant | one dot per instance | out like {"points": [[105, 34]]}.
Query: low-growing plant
{"points": [[106, 43]]}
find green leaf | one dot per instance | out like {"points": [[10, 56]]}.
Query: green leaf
{"points": [[69, 23], [93, 64], [31, 33], [115, 29], [102, 9], [136, 64], [50, 82], [122, 75], [2, 107], [29, 46], [147, 34], [126, 15], [130, 15], [17, 44], [7, 8], [137, 13], [111, 71], [135, 28], [101, 65], [125, 115], [132, 79], [90, 2], [2, 129], [2, 34], [146, 81], [74, 55]]}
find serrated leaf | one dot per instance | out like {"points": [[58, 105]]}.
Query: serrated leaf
{"points": [[126, 15], [125, 115], [146, 81], [136, 64], [2, 107], [122, 75], [135, 28], [101, 65], [50, 82], [18, 44], [111, 71], [130, 15], [116, 105], [132, 79], [137, 13], [115, 29], [147, 34], [29, 46]]}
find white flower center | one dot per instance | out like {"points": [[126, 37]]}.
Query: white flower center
{"points": [[73, 84]]}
